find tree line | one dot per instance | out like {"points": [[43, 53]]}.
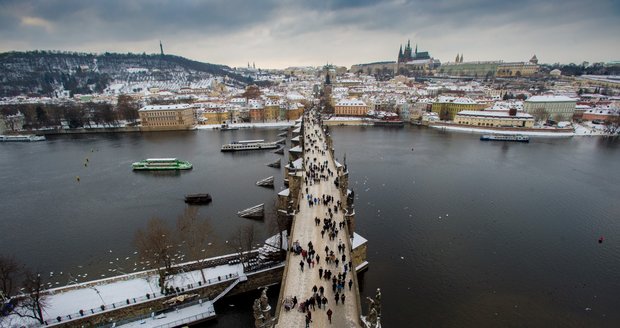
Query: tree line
{"points": [[73, 115]]}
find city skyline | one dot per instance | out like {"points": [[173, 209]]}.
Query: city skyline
{"points": [[279, 34]]}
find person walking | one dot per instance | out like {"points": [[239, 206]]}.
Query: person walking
{"points": [[301, 264], [350, 283], [337, 298], [342, 298], [329, 315]]}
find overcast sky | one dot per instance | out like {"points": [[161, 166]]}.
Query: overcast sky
{"points": [[282, 33]]}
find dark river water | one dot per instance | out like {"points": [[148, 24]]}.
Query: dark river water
{"points": [[462, 233]]}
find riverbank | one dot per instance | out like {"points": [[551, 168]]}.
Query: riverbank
{"points": [[265, 125], [578, 130]]}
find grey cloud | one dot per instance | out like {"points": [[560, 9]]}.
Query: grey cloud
{"points": [[285, 22]]}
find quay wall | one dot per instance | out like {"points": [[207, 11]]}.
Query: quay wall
{"points": [[498, 128], [256, 280]]}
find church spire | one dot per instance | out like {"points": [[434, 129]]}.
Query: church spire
{"points": [[416, 48]]}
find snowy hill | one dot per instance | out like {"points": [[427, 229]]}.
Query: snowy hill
{"points": [[45, 72]]}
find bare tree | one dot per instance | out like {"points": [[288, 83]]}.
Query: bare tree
{"points": [[127, 108], [540, 114], [34, 302], [154, 245], [9, 271], [194, 233], [242, 241]]}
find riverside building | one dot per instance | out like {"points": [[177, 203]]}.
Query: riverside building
{"points": [[560, 108], [167, 117], [448, 107]]}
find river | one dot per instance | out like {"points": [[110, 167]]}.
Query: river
{"points": [[462, 233]]}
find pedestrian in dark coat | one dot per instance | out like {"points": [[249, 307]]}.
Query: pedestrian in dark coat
{"points": [[350, 283], [329, 315]]}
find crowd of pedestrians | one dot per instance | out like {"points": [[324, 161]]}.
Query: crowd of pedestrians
{"points": [[335, 269]]}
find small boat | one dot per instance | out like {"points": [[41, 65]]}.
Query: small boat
{"points": [[275, 164], [505, 137], [279, 151], [161, 164], [254, 212], [283, 134], [249, 145], [21, 138], [281, 141], [267, 182], [198, 198], [226, 127]]}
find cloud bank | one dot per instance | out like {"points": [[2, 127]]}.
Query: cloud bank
{"points": [[284, 33]]}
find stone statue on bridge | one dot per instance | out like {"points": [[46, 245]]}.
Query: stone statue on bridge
{"points": [[262, 311], [373, 319]]}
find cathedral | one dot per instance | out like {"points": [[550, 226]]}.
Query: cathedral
{"points": [[415, 62], [409, 55]]}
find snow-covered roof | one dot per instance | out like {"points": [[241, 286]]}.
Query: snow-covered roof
{"points": [[295, 150], [358, 240], [550, 99], [351, 102], [495, 114], [456, 100], [284, 192], [298, 164], [165, 107]]}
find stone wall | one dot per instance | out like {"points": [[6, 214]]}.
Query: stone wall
{"points": [[255, 281], [359, 254]]}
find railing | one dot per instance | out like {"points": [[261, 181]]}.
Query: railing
{"points": [[194, 318], [133, 301], [209, 310]]}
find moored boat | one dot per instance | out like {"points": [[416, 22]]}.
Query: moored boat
{"points": [[249, 145], [505, 137], [161, 164], [198, 198], [21, 138], [226, 127]]}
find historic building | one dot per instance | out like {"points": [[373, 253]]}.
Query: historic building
{"points": [[490, 69], [351, 107], [560, 108], [495, 118], [167, 117], [448, 107], [414, 60]]}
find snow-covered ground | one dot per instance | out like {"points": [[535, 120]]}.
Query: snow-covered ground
{"points": [[110, 291], [583, 129]]}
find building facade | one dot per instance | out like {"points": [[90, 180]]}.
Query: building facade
{"points": [[351, 107], [560, 108], [214, 116], [167, 117], [448, 107], [494, 119]]}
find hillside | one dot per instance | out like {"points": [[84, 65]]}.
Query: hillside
{"points": [[44, 73]]}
